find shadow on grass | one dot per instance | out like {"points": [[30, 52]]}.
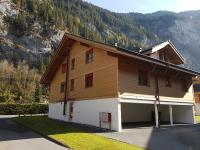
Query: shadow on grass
{"points": [[19, 128]]}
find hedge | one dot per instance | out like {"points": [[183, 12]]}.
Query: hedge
{"points": [[22, 109]]}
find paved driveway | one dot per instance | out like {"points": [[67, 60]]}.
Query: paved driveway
{"points": [[185, 137], [16, 137]]}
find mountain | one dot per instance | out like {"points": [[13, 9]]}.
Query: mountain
{"points": [[31, 30]]}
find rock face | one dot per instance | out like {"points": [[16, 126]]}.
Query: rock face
{"points": [[183, 29], [28, 46]]}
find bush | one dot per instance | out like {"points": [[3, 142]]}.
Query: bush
{"points": [[22, 109]]}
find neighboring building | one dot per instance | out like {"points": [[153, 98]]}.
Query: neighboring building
{"points": [[108, 86], [197, 95]]}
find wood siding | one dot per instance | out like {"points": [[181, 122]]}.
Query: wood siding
{"points": [[128, 82], [197, 97], [104, 69]]}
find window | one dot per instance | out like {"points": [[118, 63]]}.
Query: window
{"points": [[71, 110], [143, 78], [89, 56], [72, 85], [89, 80], [168, 82], [73, 64], [64, 68], [62, 87]]}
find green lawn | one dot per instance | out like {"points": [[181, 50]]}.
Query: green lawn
{"points": [[197, 119], [71, 136]]}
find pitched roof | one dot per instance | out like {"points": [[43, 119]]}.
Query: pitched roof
{"points": [[69, 39], [162, 45]]}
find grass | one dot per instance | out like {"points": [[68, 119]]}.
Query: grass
{"points": [[197, 119], [71, 136]]}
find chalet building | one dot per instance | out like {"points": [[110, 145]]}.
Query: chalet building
{"points": [[109, 87], [197, 95]]}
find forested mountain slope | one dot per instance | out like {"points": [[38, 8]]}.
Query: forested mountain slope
{"points": [[30, 30]]}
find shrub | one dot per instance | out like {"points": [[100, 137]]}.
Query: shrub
{"points": [[22, 109]]}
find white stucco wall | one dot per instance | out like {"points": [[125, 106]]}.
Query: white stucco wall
{"points": [[87, 112], [56, 111], [136, 112], [132, 112], [164, 109], [183, 114]]}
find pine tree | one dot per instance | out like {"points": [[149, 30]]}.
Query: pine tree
{"points": [[37, 94]]}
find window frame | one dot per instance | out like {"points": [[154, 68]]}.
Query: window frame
{"points": [[62, 87], [89, 56], [141, 80], [64, 68], [73, 64], [89, 79], [72, 85]]}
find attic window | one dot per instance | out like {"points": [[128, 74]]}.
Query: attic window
{"points": [[89, 56], [64, 67]]}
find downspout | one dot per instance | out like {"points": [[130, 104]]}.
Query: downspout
{"points": [[157, 96], [66, 84]]}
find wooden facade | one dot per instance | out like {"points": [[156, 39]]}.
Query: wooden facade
{"points": [[129, 86], [115, 74], [103, 67]]}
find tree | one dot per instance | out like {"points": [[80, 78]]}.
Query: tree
{"points": [[37, 93]]}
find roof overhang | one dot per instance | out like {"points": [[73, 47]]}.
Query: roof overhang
{"points": [[68, 40], [171, 49]]}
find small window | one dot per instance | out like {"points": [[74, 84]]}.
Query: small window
{"points": [[168, 82], [143, 78], [89, 80], [73, 64], [71, 110], [64, 68], [62, 87], [89, 56], [72, 85]]}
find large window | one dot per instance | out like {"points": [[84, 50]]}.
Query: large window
{"points": [[89, 80], [89, 56], [64, 67], [73, 64], [71, 84], [143, 78], [62, 87]]}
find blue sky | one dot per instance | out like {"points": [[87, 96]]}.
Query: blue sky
{"points": [[147, 6]]}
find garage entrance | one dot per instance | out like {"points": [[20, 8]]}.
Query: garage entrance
{"points": [[141, 115]]}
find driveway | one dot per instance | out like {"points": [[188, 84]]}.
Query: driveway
{"points": [[16, 137], [184, 137]]}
